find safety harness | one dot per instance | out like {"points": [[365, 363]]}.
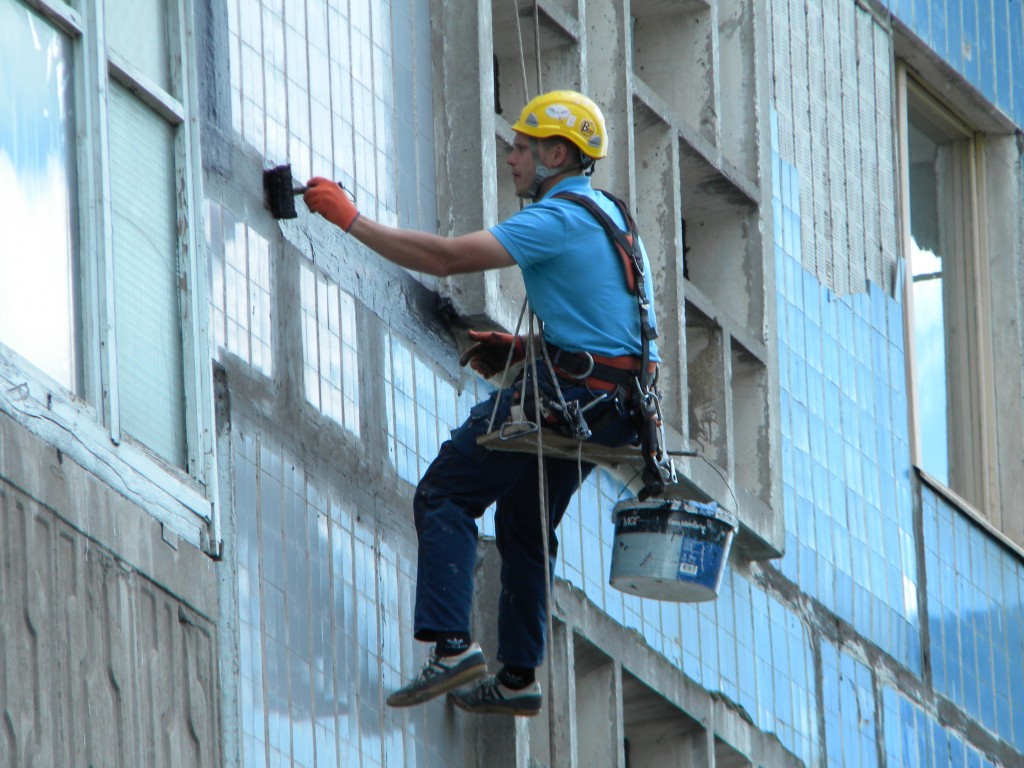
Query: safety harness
{"points": [[644, 398]]}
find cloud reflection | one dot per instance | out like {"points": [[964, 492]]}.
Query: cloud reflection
{"points": [[36, 178]]}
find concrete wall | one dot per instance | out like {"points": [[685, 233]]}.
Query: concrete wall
{"points": [[108, 624], [835, 102]]}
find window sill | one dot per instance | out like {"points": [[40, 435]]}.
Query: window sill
{"points": [[70, 426]]}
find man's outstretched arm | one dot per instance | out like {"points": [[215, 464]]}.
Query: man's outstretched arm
{"points": [[412, 249]]}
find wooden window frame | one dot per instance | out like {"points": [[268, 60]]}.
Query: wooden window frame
{"points": [[973, 416]]}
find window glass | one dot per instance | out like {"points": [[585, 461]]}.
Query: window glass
{"points": [[330, 349], [926, 270], [943, 262], [137, 29], [146, 296], [37, 194]]}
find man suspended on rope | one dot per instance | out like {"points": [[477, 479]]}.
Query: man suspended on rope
{"points": [[596, 352]]}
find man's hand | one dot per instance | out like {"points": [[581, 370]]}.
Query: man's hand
{"points": [[491, 352], [327, 198]]}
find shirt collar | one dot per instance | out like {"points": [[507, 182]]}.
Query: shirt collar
{"points": [[569, 184]]}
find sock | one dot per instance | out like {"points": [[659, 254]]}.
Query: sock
{"points": [[452, 643], [516, 677]]}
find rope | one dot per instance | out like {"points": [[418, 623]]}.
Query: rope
{"points": [[508, 365], [536, 46], [522, 53], [532, 356], [536, 40], [545, 522]]}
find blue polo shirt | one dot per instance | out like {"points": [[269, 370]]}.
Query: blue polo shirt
{"points": [[574, 277]]}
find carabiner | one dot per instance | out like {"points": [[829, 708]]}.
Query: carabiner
{"points": [[590, 366]]}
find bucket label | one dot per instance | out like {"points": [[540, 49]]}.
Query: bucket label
{"points": [[705, 529], [699, 556]]}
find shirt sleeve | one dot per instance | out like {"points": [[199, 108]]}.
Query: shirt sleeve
{"points": [[533, 235]]}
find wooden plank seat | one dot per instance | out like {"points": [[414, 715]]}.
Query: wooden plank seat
{"points": [[625, 462]]}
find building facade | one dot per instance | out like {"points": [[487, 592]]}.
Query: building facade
{"points": [[212, 421]]}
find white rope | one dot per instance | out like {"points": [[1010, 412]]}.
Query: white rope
{"points": [[536, 41], [522, 53], [532, 357], [508, 366], [545, 517]]}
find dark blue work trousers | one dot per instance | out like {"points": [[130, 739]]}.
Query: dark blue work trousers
{"points": [[460, 484]]}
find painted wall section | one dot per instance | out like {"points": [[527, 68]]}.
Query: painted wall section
{"points": [[983, 40], [748, 644], [975, 619], [341, 89], [846, 468], [896, 563]]}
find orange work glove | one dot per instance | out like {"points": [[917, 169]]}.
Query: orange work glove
{"points": [[327, 198], [490, 353]]}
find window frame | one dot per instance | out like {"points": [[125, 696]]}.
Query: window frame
{"points": [[86, 425], [978, 379]]}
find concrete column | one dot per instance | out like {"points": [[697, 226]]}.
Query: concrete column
{"points": [[598, 710], [608, 59], [464, 130]]}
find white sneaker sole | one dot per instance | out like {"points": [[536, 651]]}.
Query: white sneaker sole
{"points": [[404, 698]]}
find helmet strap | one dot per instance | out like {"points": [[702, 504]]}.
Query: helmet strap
{"points": [[542, 174], [540, 171]]}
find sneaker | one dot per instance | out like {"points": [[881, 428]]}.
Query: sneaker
{"points": [[490, 697], [439, 675]]}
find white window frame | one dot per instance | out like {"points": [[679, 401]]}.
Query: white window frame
{"points": [[977, 411], [89, 431]]}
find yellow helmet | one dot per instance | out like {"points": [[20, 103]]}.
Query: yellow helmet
{"points": [[568, 114]]}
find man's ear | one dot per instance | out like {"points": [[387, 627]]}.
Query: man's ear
{"points": [[559, 154]]}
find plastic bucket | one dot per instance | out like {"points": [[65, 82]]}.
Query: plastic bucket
{"points": [[673, 550]]}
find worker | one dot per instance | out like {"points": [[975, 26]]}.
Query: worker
{"points": [[591, 325]]}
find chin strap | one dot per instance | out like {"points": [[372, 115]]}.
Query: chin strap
{"points": [[542, 173]]}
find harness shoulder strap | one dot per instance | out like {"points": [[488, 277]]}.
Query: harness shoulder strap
{"points": [[624, 241], [658, 467], [627, 244]]}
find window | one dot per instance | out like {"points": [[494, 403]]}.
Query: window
{"points": [[147, 322], [945, 294], [101, 286], [38, 303], [330, 348]]}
